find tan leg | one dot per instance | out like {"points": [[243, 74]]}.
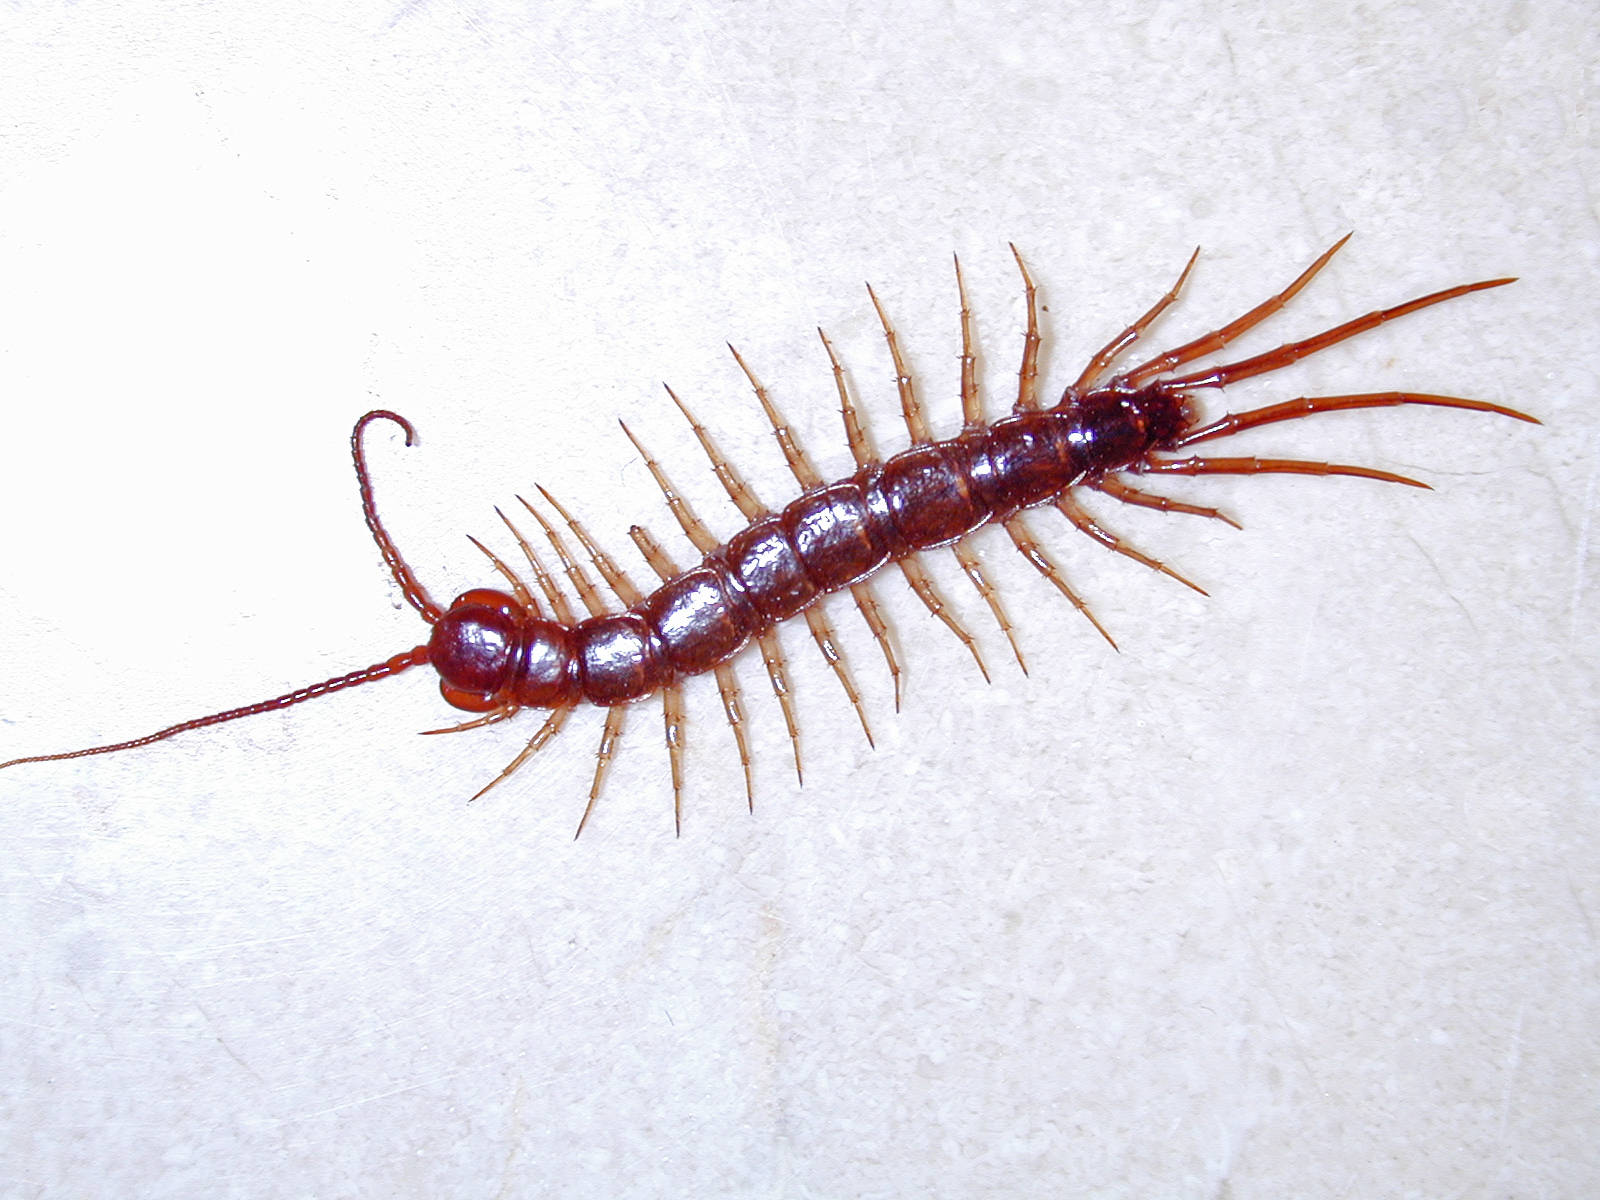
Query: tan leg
{"points": [[923, 586], [788, 441], [778, 675], [732, 482], [1086, 524], [1109, 352], [1025, 542], [674, 717], [867, 605], [968, 558], [615, 717], [728, 686], [1028, 374], [615, 579], [1118, 489], [971, 403], [551, 727], [822, 633], [855, 433], [910, 408]]}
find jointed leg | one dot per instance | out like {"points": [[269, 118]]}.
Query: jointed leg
{"points": [[1029, 546], [1086, 524]]}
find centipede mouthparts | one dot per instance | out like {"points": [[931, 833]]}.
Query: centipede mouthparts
{"points": [[498, 651]]}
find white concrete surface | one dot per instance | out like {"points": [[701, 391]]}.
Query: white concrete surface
{"points": [[1293, 896]]}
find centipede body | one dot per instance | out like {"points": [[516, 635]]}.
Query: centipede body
{"points": [[524, 644]]}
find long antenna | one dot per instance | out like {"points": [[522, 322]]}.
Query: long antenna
{"points": [[414, 592]]}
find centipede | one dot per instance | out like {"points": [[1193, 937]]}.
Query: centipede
{"points": [[499, 650]]}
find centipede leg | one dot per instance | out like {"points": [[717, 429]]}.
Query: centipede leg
{"points": [[910, 406], [1218, 338], [1292, 352], [1030, 549], [822, 633], [971, 403], [1112, 349], [1028, 373], [674, 717], [1268, 466], [968, 558], [1086, 524], [867, 606], [1119, 489], [728, 688], [929, 595], [1305, 406], [552, 726], [778, 676], [615, 718]]}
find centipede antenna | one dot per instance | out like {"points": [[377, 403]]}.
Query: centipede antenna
{"points": [[1086, 524], [788, 441], [1028, 373], [1218, 338], [1114, 348], [1290, 352], [1270, 466], [400, 662], [552, 726], [1305, 406], [416, 595], [910, 407]]}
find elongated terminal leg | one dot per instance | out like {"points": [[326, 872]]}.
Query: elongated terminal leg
{"points": [[1305, 406], [1218, 338], [1267, 466]]}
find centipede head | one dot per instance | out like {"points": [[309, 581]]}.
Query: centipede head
{"points": [[492, 653]]}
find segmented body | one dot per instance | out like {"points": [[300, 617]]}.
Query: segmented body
{"points": [[498, 652]]}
